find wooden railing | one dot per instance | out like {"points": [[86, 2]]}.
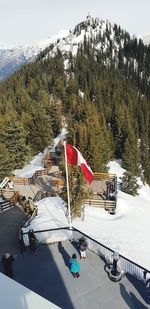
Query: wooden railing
{"points": [[57, 182], [21, 181], [15, 197], [100, 176], [11, 203], [109, 206], [28, 181], [5, 205], [30, 218], [37, 174], [41, 194], [103, 176], [48, 161], [7, 194], [40, 173]]}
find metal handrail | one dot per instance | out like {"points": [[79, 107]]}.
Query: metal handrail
{"points": [[65, 233]]}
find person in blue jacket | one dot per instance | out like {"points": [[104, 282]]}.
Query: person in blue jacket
{"points": [[74, 266]]}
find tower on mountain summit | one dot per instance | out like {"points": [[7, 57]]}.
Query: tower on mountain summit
{"points": [[88, 16]]}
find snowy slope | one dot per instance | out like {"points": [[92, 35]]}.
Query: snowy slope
{"points": [[11, 58], [99, 32], [146, 38], [128, 230]]}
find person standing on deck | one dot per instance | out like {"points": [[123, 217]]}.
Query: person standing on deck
{"points": [[82, 248], [32, 241], [74, 266], [7, 261]]}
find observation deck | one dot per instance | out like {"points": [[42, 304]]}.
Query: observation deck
{"points": [[47, 273]]}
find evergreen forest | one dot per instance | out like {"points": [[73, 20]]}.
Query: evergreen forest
{"points": [[104, 99]]}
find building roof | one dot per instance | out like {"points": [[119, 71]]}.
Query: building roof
{"points": [[16, 296]]}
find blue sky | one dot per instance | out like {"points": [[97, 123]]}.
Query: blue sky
{"points": [[28, 21]]}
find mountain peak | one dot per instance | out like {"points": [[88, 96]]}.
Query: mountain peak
{"points": [[146, 38], [98, 31]]}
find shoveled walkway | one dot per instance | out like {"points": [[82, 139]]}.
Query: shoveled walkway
{"points": [[10, 221], [47, 273]]}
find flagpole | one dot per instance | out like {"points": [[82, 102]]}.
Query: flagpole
{"points": [[67, 182]]}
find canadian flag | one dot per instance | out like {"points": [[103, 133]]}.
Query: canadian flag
{"points": [[74, 157]]}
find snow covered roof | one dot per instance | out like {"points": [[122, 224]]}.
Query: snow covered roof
{"points": [[16, 296]]}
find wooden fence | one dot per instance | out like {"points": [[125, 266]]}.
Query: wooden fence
{"points": [[21, 181], [11, 203], [37, 174], [5, 205], [28, 181], [109, 206], [48, 161], [7, 194], [15, 197], [103, 176], [57, 182], [100, 176], [42, 194]]}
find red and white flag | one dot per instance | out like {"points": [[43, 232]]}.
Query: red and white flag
{"points": [[74, 157]]}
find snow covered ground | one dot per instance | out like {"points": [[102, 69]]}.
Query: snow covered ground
{"points": [[29, 170], [127, 231], [35, 164]]}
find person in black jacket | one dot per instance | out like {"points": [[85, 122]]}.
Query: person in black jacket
{"points": [[7, 261], [32, 241], [82, 248]]}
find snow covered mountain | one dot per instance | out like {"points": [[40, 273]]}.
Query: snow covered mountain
{"points": [[99, 32], [104, 37], [11, 59], [146, 38]]}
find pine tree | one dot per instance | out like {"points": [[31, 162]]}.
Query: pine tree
{"points": [[77, 190], [56, 117], [146, 173], [6, 162], [14, 137], [131, 157], [91, 136], [129, 183], [40, 130]]}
